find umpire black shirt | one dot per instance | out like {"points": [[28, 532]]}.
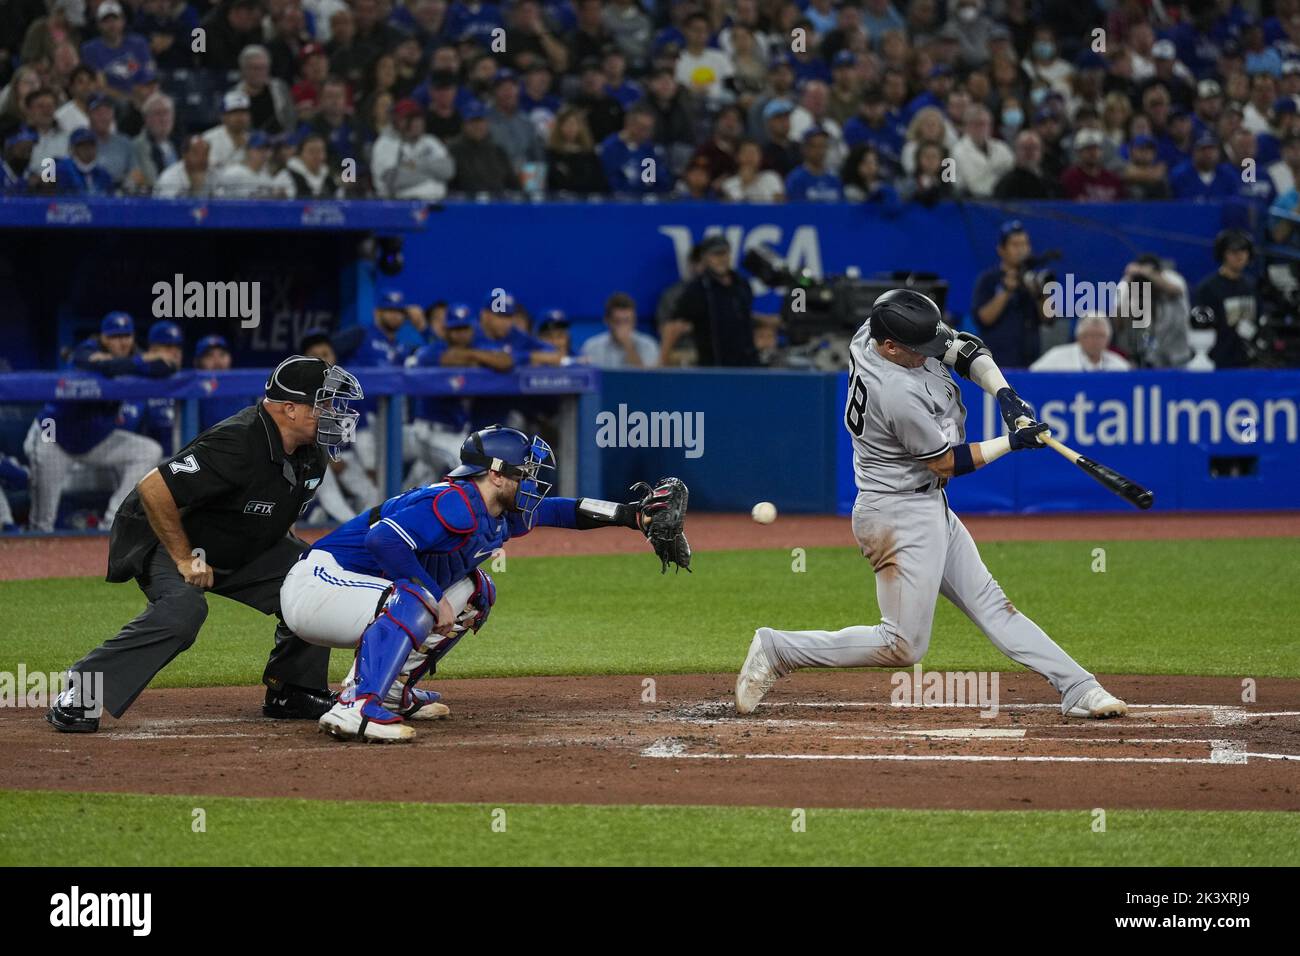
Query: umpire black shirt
{"points": [[237, 491]]}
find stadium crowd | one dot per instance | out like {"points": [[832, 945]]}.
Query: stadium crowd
{"points": [[747, 100]]}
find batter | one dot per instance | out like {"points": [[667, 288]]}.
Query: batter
{"points": [[906, 417]]}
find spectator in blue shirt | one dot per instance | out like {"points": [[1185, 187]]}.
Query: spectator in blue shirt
{"points": [[1204, 176], [879, 17], [872, 126], [79, 174], [1007, 314], [812, 181], [633, 163], [117, 55]]}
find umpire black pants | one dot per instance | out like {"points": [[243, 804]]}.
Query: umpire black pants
{"points": [[175, 615]]}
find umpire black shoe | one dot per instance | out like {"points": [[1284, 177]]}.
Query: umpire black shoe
{"points": [[291, 702], [71, 719]]}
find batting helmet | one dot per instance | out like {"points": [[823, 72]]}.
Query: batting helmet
{"points": [[911, 319], [513, 454]]}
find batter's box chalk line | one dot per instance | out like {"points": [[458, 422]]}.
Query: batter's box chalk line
{"points": [[1219, 751]]}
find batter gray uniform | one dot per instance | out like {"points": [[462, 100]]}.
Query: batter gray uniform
{"points": [[900, 418]]}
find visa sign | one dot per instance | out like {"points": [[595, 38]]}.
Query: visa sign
{"points": [[803, 251]]}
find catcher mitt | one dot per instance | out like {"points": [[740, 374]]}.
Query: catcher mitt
{"points": [[661, 511]]}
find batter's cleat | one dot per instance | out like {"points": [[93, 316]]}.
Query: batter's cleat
{"points": [[1098, 703], [291, 702], [71, 719], [757, 675], [365, 721], [414, 703]]}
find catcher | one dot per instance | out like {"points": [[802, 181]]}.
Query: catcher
{"points": [[401, 582]]}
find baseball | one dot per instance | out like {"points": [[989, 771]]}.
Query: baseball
{"points": [[764, 512]]}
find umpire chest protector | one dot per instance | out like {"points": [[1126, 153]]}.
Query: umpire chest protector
{"points": [[237, 490]]}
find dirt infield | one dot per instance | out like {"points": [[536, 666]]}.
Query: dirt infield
{"points": [[823, 740], [23, 558]]}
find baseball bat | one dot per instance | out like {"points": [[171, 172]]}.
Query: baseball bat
{"points": [[1110, 479]]}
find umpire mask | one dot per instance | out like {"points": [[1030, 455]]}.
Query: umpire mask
{"points": [[331, 389]]}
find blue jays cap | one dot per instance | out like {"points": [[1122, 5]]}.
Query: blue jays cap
{"points": [[117, 323], [1010, 228], [553, 319], [1142, 141], [24, 135], [1283, 105], [166, 333], [459, 316], [208, 343], [1206, 139], [473, 110], [258, 140], [81, 135], [98, 100], [814, 131], [844, 58], [499, 301], [393, 299]]}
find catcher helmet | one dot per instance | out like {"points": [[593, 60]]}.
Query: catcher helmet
{"points": [[1229, 240], [513, 454], [912, 320]]}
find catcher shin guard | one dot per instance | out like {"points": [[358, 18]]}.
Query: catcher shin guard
{"points": [[402, 626]]}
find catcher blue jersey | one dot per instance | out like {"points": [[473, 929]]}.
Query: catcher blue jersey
{"points": [[434, 534]]}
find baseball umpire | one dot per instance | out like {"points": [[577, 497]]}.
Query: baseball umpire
{"points": [[217, 516]]}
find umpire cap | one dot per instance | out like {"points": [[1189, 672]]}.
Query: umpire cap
{"points": [[297, 379], [911, 319]]}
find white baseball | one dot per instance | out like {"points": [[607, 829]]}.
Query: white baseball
{"points": [[764, 512]]}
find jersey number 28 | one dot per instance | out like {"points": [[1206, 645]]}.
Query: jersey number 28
{"points": [[855, 411]]}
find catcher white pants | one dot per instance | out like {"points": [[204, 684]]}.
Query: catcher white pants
{"points": [[324, 604], [129, 454], [919, 549]]}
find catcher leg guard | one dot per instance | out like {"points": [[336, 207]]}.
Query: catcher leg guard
{"points": [[404, 624]]}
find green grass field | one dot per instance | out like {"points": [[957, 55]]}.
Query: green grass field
{"points": [[1224, 607], [110, 829]]}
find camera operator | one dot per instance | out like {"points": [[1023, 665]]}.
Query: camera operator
{"points": [[719, 305], [1163, 342], [1008, 308], [1232, 296]]}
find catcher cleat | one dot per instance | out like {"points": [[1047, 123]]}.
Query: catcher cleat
{"points": [[365, 720], [756, 677], [1099, 704], [414, 703]]}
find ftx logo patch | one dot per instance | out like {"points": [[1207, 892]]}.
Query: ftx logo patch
{"points": [[259, 508]]}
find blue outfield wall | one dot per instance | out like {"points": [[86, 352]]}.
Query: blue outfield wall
{"points": [[572, 255], [780, 437]]}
